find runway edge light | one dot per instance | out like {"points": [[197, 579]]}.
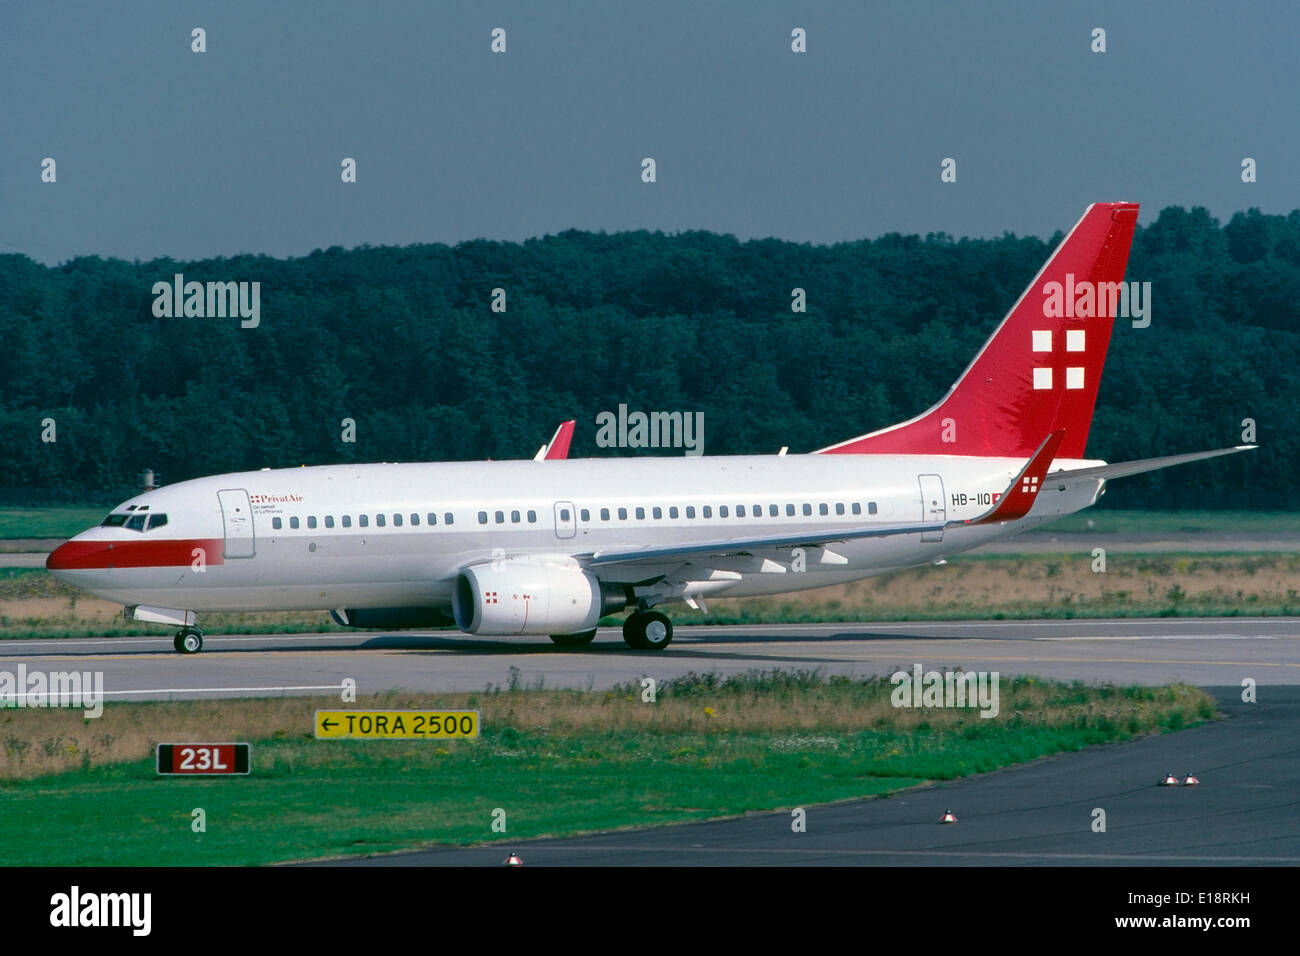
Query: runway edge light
{"points": [[1170, 780], [1189, 780], [948, 817], [513, 860]]}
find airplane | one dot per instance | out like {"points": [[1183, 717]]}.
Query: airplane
{"points": [[550, 546]]}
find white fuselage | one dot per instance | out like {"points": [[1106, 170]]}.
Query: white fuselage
{"points": [[297, 541]]}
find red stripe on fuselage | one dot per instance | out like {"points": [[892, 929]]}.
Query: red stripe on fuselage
{"points": [[160, 553]]}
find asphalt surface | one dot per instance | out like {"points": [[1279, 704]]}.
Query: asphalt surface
{"points": [[1204, 652], [1245, 811]]}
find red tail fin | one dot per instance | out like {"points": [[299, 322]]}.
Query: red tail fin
{"points": [[1040, 370]]}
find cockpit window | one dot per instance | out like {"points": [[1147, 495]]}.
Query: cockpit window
{"points": [[136, 522], [157, 521], [114, 521]]}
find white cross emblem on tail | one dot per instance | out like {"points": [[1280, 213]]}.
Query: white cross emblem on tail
{"points": [[1029, 486], [1042, 342]]}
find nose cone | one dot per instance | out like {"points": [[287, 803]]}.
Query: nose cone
{"points": [[77, 555]]}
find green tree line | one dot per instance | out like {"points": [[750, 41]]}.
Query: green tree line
{"points": [[404, 341]]}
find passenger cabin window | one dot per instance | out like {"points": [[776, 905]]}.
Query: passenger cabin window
{"points": [[347, 521], [501, 517], [707, 511], [276, 523], [431, 518], [311, 521], [447, 518], [363, 521], [379, 521], [415, 520], [604, 514], [839, 507], [586, 515], [157, 521], [857, 507], [672, 511], [789, 511], [622, 514], [871, 507], [564, 514], [293, 522], [482, 517], [640, 514], [740, 511], [772, 511], [690, 511], [514, 517], [329, 521], [807, 509], [657, 512], [823, 509], [532, 516], [397, 521]]}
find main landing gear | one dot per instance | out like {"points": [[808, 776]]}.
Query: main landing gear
{"points": [[188, 640], [647, 631]]}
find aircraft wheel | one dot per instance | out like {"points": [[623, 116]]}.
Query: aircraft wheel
{"points": [[188, 640], [657, 631], [574, 640], [647, 631], [633, 634]]}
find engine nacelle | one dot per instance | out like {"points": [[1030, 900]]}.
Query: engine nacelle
{"points": [[523, 596]]}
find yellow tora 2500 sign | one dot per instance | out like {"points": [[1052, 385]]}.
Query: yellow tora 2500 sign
{"points": [[395, 724]]}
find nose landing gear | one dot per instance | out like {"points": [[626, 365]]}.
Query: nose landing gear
{"points": [[188, 640]]}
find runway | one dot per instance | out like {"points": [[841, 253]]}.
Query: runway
{"points": [[1243, 813], [1200, 651]]}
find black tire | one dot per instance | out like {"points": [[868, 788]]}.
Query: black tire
{"points": [[188, 641], [656, 631], [574, 640], [634, 631]]}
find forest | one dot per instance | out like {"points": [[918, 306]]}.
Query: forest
{"points": [[405, 343]]}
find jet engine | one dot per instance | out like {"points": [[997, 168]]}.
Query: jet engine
{"points": [[531, 596]]}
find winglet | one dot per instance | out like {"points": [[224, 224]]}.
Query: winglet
{"points": [[558, 447], [1023, 492]]}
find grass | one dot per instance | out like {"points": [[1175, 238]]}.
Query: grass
{"points": [[1119, 521], [49, 522], [81, 792]]}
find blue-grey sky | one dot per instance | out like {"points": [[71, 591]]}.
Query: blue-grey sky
{"points": [[164, 152]]}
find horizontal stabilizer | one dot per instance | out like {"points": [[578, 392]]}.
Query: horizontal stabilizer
{"points": [[1124, 468]]}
